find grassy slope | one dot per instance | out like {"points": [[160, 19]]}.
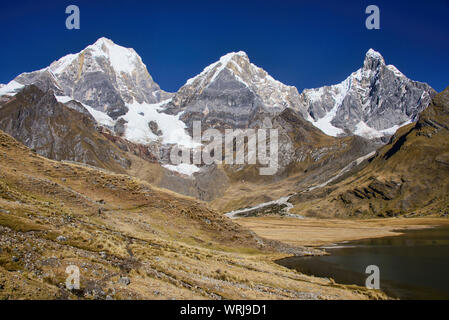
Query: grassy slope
{"points": [[115, 225]]}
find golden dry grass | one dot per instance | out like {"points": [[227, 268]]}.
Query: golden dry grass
{"points": [[169, 246], [318, 232]]}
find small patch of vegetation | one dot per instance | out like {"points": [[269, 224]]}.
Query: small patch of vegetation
{"points": [[18, 224]]}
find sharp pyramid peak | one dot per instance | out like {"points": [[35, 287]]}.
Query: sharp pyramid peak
{"points": [[108, 43], [104, 40], [373, 60], [227, 58], [219, 65], [234, 54], [105, 44], [122, 59], [373, 54]]}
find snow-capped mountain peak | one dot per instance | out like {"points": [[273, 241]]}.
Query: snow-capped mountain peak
{"points": [[373, 60], [373, 54], [372, 102], [122, 59], [103, 75], [229, 61], [231, 92], [246, 86]]}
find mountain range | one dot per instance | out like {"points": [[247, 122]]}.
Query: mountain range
{"points": [[102, 107], [401, 178], [86, 177]]}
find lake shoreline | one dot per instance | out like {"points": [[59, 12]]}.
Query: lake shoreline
{"points": [[412, 247], [316, 233]]}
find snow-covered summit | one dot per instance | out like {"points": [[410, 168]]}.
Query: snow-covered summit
{"points": [[373, 54], [372, 102], [237, 67], [120, 58], [103, 75], [10, 89], [218, 66]]}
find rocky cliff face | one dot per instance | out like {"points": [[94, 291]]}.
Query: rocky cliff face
{"points": [[57, 131], [104, 76], [372, 102], [230, 93], [307, 158]]}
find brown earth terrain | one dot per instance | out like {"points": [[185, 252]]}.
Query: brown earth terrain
{"points": [[130, 240]]}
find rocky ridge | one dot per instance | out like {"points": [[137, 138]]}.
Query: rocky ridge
{"points": [[372, 102]]}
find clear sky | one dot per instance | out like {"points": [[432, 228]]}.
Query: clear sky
{"points": [[302, 43]]}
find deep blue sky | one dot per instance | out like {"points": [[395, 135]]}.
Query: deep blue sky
{"points": [[302, 43]]}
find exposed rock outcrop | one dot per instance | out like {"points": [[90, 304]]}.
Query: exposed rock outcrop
{"points": [[57, 131]]}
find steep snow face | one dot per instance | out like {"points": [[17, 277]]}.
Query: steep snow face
{"points": [[100, 117], [183, 168], [62, 64], [122, 60], [104, 76], [11, 88], [215, 68], [138, 130], [337, 94], [138, 119], [372, 102]]}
